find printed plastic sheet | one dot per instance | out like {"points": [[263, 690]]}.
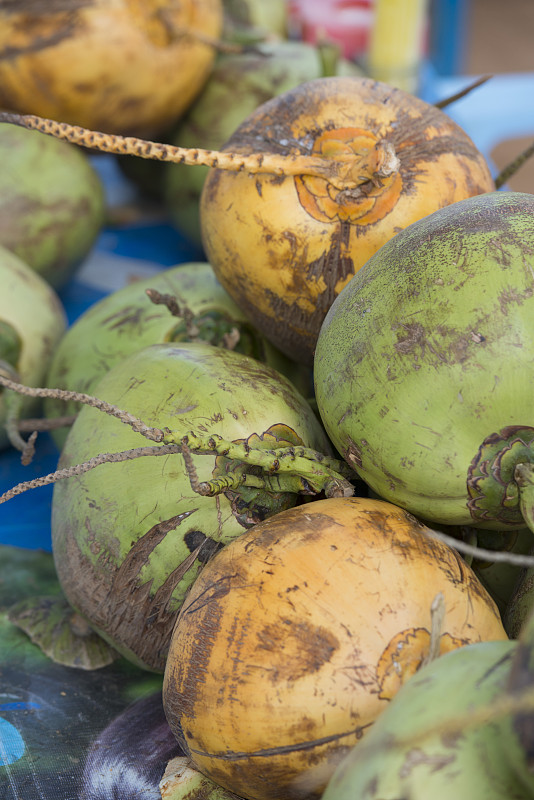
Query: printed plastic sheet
{"points": [[69, 734]]}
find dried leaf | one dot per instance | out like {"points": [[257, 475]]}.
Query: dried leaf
{"points": [[61, 633]]}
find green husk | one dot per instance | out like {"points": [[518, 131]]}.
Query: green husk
{"points": [[32, 322], [420, 746], [182, 781], [129, 538], [423, 368], [52, 203], [126, 321]]}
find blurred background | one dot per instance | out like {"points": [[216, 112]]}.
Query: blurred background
{"points": [[500, 36], [500, 39], [461, 38]]}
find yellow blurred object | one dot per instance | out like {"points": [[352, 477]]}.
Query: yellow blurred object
{"points": [[397, 40]]}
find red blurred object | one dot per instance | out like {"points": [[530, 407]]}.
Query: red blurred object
{"points": [[346, 22]]}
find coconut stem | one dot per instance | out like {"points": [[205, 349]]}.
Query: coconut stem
{"points": [[155, 434], [277, 461], [311, 471], [26, 446], [329, 483], [13, 406], [181, 311], [524, 478], [462, 93], [41, 424], [299, 470], [471, 537], [510, 169], [344, 170], [86, 466], [437, 615], [496, 556]]}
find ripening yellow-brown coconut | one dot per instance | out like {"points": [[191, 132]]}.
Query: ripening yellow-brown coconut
{"points": [[122, 66], [285, 247], [298, 633]]}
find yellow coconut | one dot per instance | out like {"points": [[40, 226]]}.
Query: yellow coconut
{"points": [[121, 66], [297, 635], [284, 248]]}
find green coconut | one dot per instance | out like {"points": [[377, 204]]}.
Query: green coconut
{"points": [[399, 759], [254, 20], [460, 727], [32, 322], [127, 320], [182, 782], [129, 538], [52, 203], [424, 367], [238, 84]]}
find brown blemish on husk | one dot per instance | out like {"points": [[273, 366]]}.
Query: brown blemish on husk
{"points": [[415, 757], [333, 265], [299, 339], [301, 648], [510, 297], [308, 527], [420, 147], [353, 454], [188, 674], [462, 575], [30, 15], [130, 315], [132, 615]]}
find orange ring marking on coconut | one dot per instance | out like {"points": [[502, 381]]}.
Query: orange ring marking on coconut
{"points": [[372, 172], [405, 654]]}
